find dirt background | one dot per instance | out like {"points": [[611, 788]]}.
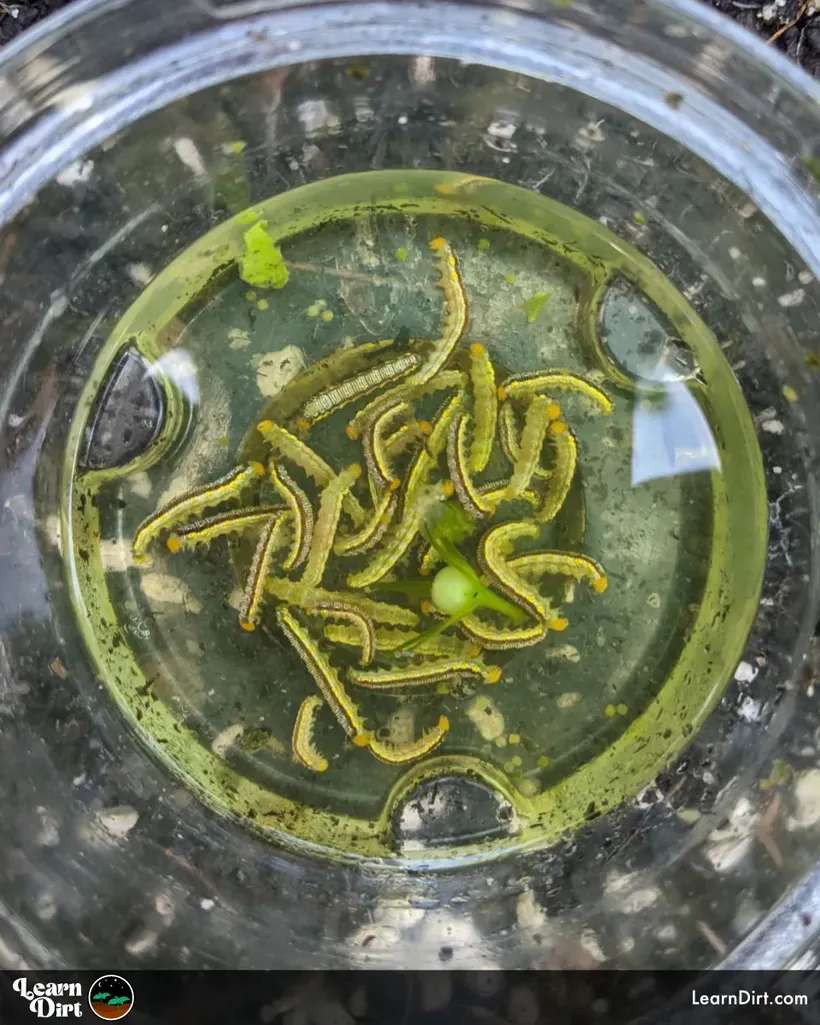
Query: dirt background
{"points": [[793, 26]]}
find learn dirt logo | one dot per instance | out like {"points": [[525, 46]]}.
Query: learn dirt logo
{"points": [[111, 997]]}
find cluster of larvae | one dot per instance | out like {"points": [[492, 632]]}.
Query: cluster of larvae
{"points": [[393, 522]]}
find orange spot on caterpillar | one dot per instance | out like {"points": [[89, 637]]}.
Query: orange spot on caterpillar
{"points": [[448, 489], [494, 675], [173, 543], [303, 425], [477, 348], [425, 427], [473, 649], [557, 427], [361, 739], [501, 392], [394, 484], [258, 469], [246, 624], [352, 432], [191, 503], [559, 624], [553, 411], [264, 425], [437, 243], [427, 607], [600, 585]]}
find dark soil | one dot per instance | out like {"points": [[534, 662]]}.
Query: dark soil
{"points": [[792, 25], [16, 17]]}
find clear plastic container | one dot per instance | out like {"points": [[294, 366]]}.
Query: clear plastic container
{"points": [[132, 129]]}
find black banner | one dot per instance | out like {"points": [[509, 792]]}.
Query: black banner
{"points": [[411, 998]]}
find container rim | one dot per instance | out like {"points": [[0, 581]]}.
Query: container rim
{"points": [[719, 25]]}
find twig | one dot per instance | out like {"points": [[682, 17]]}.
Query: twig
{"points": [[6, 244], [763, 831], [712, 938], [350, 274], [785, 28], [799, 50]]}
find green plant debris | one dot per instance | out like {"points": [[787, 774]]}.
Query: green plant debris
{"points": [[401, 254], [248, 216], [813, 360], [534, 305], [456, 590], [790, 394], [250, 295], [812, 165], [483, 244], [563, 3], [327, 316], [638, 217], [231, 188], [525, 786], [254, 740], [510, 279], [263, 264], [313, 310], [674, 100], [238, 146], [262, 304], [779, 774]]}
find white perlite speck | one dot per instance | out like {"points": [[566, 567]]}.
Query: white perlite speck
{"points": [[224, 739], [275, 370], [794, 298], [745, 672], [806, 800], [118, 821], [749, 709]]}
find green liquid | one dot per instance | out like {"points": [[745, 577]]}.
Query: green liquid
{"points": [[594, 712]]}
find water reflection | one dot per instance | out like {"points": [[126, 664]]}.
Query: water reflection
{"points": [[670, 434], [178, 367]]}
